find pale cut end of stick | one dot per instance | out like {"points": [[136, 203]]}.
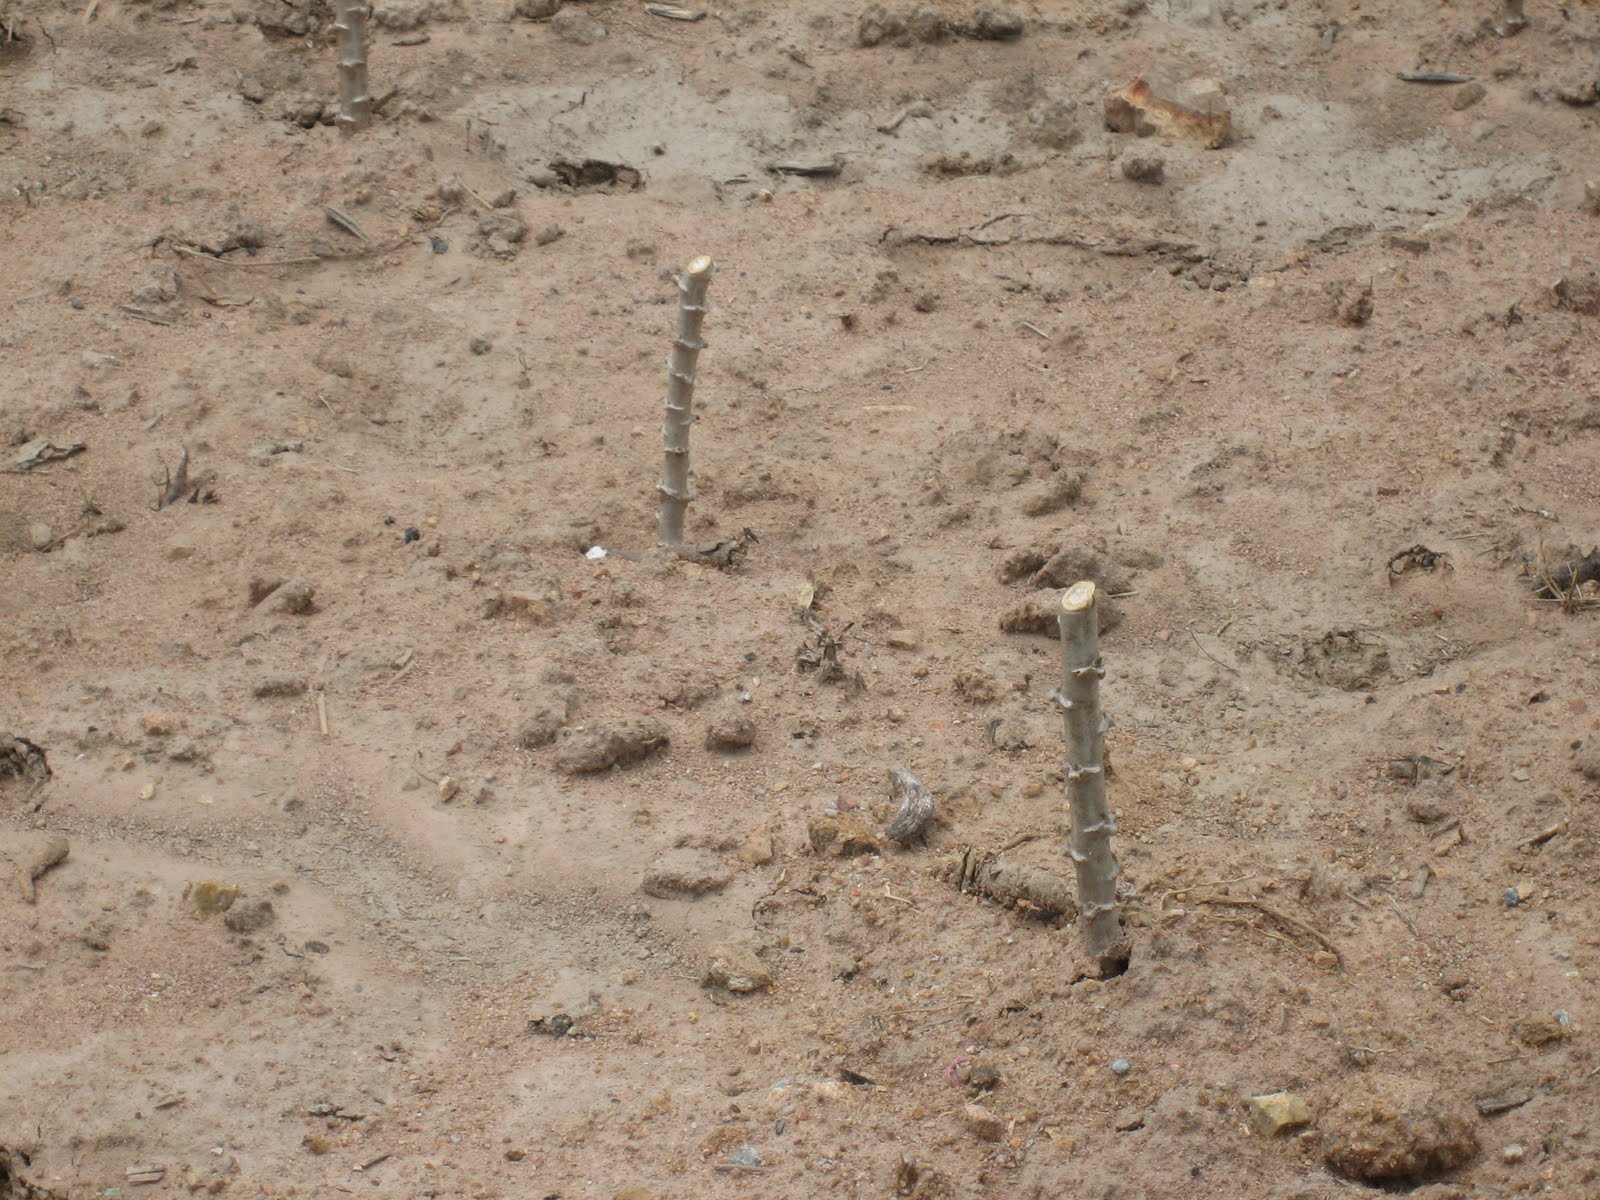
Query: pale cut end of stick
{"points": [[700, 266], [1078, 597]]}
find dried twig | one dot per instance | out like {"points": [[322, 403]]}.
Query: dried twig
{"points": [[1291, 923], [177, 484], [1543, 836], [144, 316], [1211, 656], [345, 222]]}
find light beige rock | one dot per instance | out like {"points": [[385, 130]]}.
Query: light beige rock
{"points": [[1274, 1112]]}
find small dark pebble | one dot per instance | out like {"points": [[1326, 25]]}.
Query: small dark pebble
{"points": [[413, 534], [1493, 1106], [317, 947], [555, 1026], [388, 520], [77, 304], [1512, 899], [439, 244]]}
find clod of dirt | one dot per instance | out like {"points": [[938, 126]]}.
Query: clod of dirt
{"points": [[536, 10], [1352, 301], [499, 234], [841, 835], [965, 164], [1071, 564], [293, 598], [1036, 613], [591, 173], [1053, 494], [309, 111], [731, 731], [684, 874], [251, 917], [757, 850], [685, 689], [982, 1124], [158, 724], [578, 27], [734, 966], [545, 717], [34, 856], [1344, 659], [1537, 1029], [993, 25], [1040, 613], [159, 286], [976, 685], [555, 1025], [209, 898], [184, 749], [901, 26], [1140, 169], [1020, 563], [21, 761], [606, 743], [402, 16], [283, 20], [1138, 110], [1389, 1128], [1587, 759], [1580, 294], [279, 683]]}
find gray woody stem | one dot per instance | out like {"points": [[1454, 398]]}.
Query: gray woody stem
{"points": [[355, 101], [1092, 824], [686, 347]]}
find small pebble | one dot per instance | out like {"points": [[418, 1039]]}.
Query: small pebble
{"points": [[1512, 899], [412, 534], [1514, 1153], [1121, 1067]]}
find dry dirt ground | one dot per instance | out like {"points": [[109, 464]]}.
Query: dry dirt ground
{"points": [[1359, 849]]}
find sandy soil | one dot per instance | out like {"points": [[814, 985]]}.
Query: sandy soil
{"points": [[341, 913]]}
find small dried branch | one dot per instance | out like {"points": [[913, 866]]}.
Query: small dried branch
{"points": [[1031, 890]]}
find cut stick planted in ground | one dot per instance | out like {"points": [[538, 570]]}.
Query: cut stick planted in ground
{"points": [[355, 100], [1092, 824], [686, 347]]}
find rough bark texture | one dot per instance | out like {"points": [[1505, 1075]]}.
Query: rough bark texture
{"points": [[1092, 824], [1019, 885], [916, 807], [355, 100], [686, 347]]}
